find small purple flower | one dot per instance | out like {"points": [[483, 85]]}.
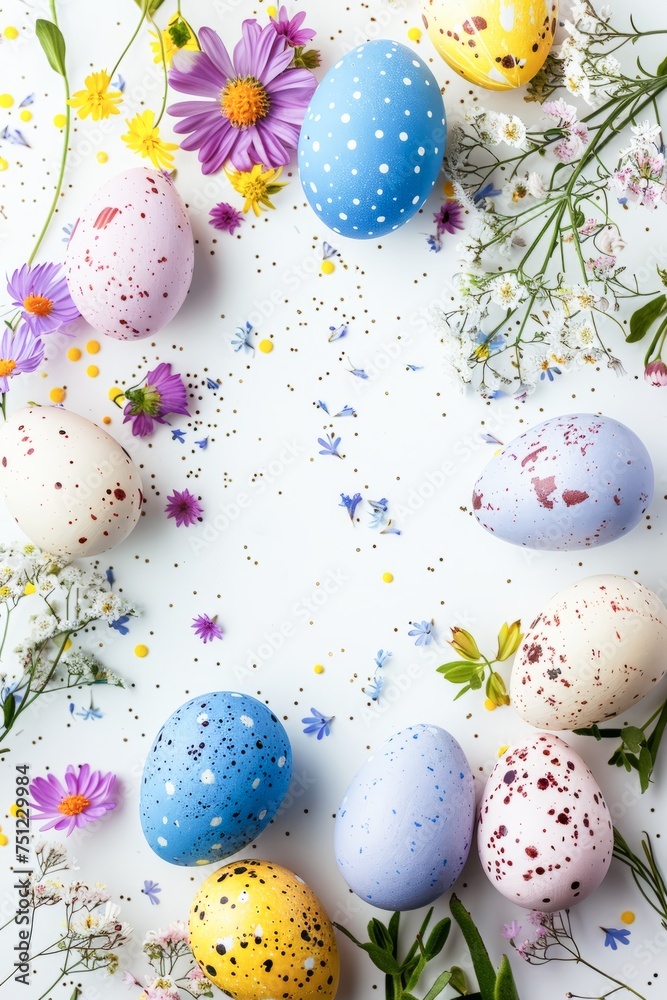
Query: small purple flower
{"points": [[225, 217], [206, 629], [290, 28], [449, 218], [82, 798], [511, 930], [184, 507], [163, 393], [20, 352], [42, 295], [152, 890], [317, 724]]}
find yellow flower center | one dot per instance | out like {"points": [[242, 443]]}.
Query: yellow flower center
{"points": [[38, 305], [6, 367], [72, 805], [253, 188], [244, 102]]}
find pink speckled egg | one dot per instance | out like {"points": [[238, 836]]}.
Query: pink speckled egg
{"points": [[130, 257], [68, 484], [595, 649], [545, 837]]}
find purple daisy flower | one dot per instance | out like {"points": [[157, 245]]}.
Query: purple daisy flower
{"points": [[290, 28], [42, 295], [184, 507], [83, 798], [225, 217], [163, 393], [206, 628], [254, 103], [20, 352], [449, 217]]}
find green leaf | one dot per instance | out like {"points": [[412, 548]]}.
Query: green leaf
{"points": [[590, 731], [477, 680], [459, 671], [180, 33], [645, 768], [379, 935], [414, 971], [308, 59], [642, 319], [9, 710], [458, 981], [437, 938], [149, 6], [382, 959], [662, 68], [394, 924], [50, 37], [486, 974], [505, 985], [439, 985], [634, 738]]}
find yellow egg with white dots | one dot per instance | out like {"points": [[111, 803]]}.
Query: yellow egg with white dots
{"points": [[259, 932], [496, 44]]}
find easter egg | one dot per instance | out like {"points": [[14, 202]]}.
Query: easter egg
{"points": [[497, 44], [70, 487], [214, 777], [259, 933], [594, 650], [404, 828], [372, 140], [572, 482], [130, 257], [545, 837]]}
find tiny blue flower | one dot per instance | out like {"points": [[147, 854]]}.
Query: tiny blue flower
{"points": [[614, 937], [212, 384], [13, 688], [337, 332], [382, 657], [14, 136], [347, 411], [415, 368], [178, 436], [374, 688], [350, 503], [203, 444], [241, 341], [118, 83], [434, 242], [488, 191], [317, 724], [328, 251], [358, 373], [67, 231], [329, 445], [424, 632], [120, 624], [111, 579], [90, 713], [389, 529], [323, 406], [152, 890]]}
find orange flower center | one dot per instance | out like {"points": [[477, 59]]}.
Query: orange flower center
{"points": [[72, 805], [6, 367], [244, 102], [38, 305]]}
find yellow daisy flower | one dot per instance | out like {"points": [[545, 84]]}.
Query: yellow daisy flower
{"points": [[144, 138], [170, 49], [256, 186], [96, 100]]}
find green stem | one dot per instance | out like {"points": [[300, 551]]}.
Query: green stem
{"points": [[4, 633], [144, 14], [163, 55], [63, 162], [612, 979]]}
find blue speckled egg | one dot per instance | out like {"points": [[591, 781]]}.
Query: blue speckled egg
{"points": [[404, 829], [215, 776], [372, 140], [572, 482]]}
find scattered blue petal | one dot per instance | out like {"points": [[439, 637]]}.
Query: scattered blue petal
{"points": [[329, 445], [317, 724], [90, 713], [434, 243], [120, 624], [491, 439], [15, 689], [27, 101], [337, 332], [423, 631], [178, 436], [549, 373], [212, 384], [14, 136], [358, 372], [328, 251], [152, 890], [350, 503], [614, 937], [415, 368], [491, 341], [118, 83], [203, 444], [379, 505], [323, 406], [71, 707], [68, 232], [488, 191], [389, 529], [111, 579], [347, 411]]}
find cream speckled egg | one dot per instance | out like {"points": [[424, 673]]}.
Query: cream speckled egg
{"points": [[597, 647], [545, 837], [130, 257], [497, 44], [260, 933], [68, 484]]}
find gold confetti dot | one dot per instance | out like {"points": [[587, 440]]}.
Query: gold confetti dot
{"points": [[414, 34], [503, 749], [3, 163], [387, 577], [318, 668], [102, 157], [106, 420], [60, 121], [26, 115], [327, 267], [272, 11], [628, 917], [15, 809], [3, 840], [6, 100], [93, 346], [11, 32], [265, 346], [57, 394], [92, 371], [141, 650], [116, 394], [74, 354]]}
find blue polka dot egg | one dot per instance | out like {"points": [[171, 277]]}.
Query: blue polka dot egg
{"points": [[372, 141], [215, 776]]}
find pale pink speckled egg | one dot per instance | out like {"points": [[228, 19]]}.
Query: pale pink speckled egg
{"points": [[545, 836], [68, 484], [130, 257]]}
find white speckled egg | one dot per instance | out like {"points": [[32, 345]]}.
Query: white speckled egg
{"points": [[572, 482], [130, 257], [68, 484], [545, 837], [597, 647], [496, 44], [404, 829]]}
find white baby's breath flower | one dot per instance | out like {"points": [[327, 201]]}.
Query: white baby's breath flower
{"points": [[506, 291], [584, 335], [583, 297], [535, 185], [43, 627], [511, 130], [108, 606]]}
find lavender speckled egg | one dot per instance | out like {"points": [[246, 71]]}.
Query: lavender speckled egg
{"points": [[572, 482], [404, 829], [130, 257], [215, 776], [68, 484], [545, 836], [597, 648]]}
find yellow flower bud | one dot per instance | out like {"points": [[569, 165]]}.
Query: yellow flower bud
{"points": [[496, 692], [463, 643], [509, 640]]}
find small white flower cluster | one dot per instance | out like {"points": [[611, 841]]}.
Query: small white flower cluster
{"points": [[588, 73], [641, 177], [494, 127], [167, 950]]}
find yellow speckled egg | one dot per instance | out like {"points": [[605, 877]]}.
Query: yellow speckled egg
{"points": [[259, 932], [497, 44]]}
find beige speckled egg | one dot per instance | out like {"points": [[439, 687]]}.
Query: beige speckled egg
{"points": [[68, 484], [497, 44], [260, 933], [130, 257], [597, 648], [545, 837]]}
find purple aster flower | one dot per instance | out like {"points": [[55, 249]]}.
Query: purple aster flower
{"points": [[81, 799], [163, 393], [290, 28], [42, 295], [253, 104], [206, 628], [20, 352], [184, 507], [225, 217], [449, 218]]}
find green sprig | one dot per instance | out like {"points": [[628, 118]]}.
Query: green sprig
{"points": [[471, 671], [639, 746]]}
